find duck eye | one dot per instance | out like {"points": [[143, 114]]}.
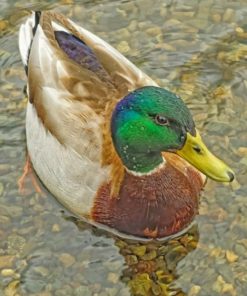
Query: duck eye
{"points": [[161, 120]]}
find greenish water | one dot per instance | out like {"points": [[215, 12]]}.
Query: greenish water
{"points": [[195, 48]]}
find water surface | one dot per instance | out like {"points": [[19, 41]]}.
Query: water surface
{"points": [[197, 49]]}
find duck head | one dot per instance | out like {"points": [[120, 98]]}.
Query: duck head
{"points": [[152, 120]]}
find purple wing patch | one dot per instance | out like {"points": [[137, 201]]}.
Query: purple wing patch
{"points": [[78, 51]]}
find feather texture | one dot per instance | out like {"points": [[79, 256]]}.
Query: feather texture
{"points": [[72, 105], [72, 96]]}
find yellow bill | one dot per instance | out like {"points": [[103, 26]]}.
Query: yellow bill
{"points": [[197, 154]]}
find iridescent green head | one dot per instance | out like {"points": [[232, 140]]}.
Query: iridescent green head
{"points": [[152, 120], [146, 122]]}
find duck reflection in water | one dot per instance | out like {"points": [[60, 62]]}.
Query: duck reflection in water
{"points": [[151, 267]]}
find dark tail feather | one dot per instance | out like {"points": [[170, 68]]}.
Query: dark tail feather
{"points": [[37, 15]]}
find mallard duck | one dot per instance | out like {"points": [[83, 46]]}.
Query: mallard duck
{"points": [[111, 145]]}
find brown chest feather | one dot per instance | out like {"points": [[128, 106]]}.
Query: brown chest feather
{"points": [[158, 205]]}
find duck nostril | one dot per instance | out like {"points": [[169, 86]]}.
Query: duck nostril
{"points": [[231, 176], [197, 149]]}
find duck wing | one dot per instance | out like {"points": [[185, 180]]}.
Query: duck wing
{"points": [[73, 76]]}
